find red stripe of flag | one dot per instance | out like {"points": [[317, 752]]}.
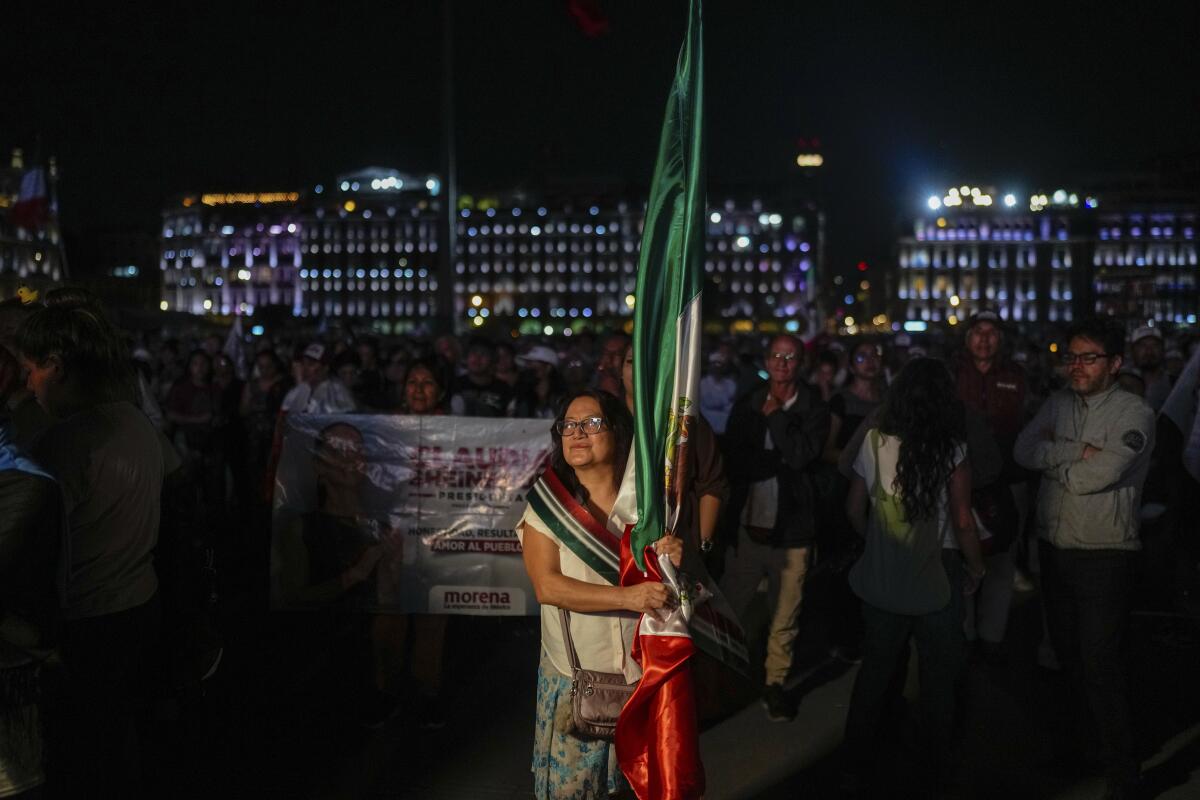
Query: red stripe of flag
{"points": [[658, 737]]}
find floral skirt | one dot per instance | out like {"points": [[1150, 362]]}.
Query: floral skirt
{"points": [[565, 767], [20, 727]]}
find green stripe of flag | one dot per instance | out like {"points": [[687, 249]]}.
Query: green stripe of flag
{"points": [[669, 278]]}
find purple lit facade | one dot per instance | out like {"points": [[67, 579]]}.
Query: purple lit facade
{"points": [[764, 261], [1145, 264], [230, 258], [363, 251], [366, 247], [1051, 262]]}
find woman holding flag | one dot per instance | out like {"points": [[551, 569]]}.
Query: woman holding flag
{"points": [[588, 539], [571, 543]]}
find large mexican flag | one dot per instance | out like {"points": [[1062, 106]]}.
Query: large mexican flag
{"points": [[657, 737]]}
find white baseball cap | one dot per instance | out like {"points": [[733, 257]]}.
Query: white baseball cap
{"points": [[538, 353], [1143, 332]]}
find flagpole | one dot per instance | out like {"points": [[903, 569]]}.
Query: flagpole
{"points": [[444, 297], [50, 229], [52, 215]]}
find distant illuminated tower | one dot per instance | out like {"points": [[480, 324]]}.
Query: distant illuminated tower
{"points": [[808, 155]]}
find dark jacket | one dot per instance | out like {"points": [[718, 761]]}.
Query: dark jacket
{"points": [[108, 461], [706, 476], [997, 395], [798, 435], [31, 529]]}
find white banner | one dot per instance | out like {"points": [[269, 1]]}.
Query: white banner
{"points": [[404, 513]]}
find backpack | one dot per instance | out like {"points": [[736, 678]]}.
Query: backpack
{"points": [[900, 569]]}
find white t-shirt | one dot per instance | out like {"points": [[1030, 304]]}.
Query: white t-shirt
{"points": [[889, 455], [603, 639], [330, 397], [762, 501]]}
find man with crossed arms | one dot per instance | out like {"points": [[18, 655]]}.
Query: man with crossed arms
{"points": [[1092, 444]]}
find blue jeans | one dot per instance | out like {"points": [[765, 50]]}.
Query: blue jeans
{"points": [[940, 651]]}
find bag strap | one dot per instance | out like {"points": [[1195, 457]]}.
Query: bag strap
{"points": [[564, 617], [875, 437]]}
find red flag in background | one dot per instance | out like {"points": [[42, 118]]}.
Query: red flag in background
{"points": [[33, 203], [589, 17]]}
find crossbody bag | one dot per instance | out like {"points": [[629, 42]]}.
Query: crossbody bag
{"points": [[596, 697]]}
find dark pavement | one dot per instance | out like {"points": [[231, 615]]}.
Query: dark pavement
{"points": [[281, 719]]}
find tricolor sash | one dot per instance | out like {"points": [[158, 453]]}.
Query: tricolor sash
{"points": [[573, 525], [713, 625]]}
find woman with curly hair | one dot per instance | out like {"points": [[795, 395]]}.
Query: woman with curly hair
{"points": [[910, 495]]}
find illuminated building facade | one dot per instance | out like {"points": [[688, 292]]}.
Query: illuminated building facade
{"points": [[1047, 258], [548, 266], [366, 248], [763, 262], [31, 251], [370, 249], [228, 253], [1144, 263], [545, 265]]}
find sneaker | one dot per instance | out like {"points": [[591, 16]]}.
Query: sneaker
{"points": [[1047, 659], [377, 709], [1123, 790], [1187, 602], [780, 707], [1022, 582], [848, 653], [991, 653], [431, 714], [852, 785]]}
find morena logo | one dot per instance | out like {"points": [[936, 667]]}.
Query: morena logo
{"points": [[501, 600], [490, 598]]}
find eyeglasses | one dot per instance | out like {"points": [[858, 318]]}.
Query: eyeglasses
{"points": [[869, 356], [589, 426], [783, 357], [1087, 359]]}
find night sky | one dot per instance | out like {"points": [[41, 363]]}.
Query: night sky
{"points": [[140, 104]]}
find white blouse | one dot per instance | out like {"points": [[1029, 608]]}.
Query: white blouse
{"points": [[603, 639]]}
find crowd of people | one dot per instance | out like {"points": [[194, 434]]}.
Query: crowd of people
{"points": [[931, 476]]}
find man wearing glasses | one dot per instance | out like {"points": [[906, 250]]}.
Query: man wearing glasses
{"points": [[1092, 444], [774, 436]]}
